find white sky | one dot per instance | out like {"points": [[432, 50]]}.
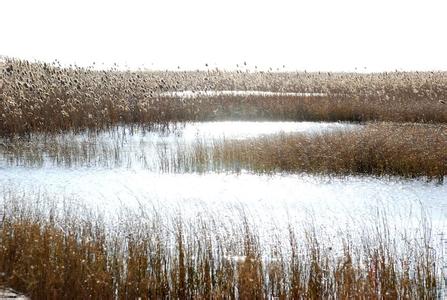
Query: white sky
{"points": [[313, 35]]}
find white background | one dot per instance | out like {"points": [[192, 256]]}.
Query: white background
{"points": [[322, 35]]}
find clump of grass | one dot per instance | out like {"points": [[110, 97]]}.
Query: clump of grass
{"points": [[52, 253], [48, 98]]}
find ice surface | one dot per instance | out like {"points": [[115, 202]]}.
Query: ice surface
{"points": [[243, 129], [270, 199]]}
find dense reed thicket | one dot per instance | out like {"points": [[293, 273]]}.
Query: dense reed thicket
{"points": [[408, 150], [49, 98], [61, 253]]}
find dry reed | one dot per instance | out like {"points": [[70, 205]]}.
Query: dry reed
{"points": [[408, 150], [54, 253], [49, 98]]}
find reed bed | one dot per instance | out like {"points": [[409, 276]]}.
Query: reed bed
{"points": [[48, 98], [53, 251], [407, 150]]}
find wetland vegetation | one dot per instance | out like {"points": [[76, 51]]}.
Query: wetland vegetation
{"points": [[49, 253], [58, 119], [48, 98]]}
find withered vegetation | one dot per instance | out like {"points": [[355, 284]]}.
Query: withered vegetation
{"points": [[48, 98], [63, 255]]}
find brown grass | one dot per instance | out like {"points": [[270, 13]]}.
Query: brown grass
{"points": [[407, 150], [53, 254], [45, 97]]}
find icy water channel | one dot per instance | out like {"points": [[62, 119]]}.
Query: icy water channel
{"points": [[270, 201]]}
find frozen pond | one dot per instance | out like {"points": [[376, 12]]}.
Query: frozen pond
{"points": [[271, 198], [271, 201]]}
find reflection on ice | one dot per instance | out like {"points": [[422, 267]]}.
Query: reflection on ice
{"points": [[133, 147]]}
